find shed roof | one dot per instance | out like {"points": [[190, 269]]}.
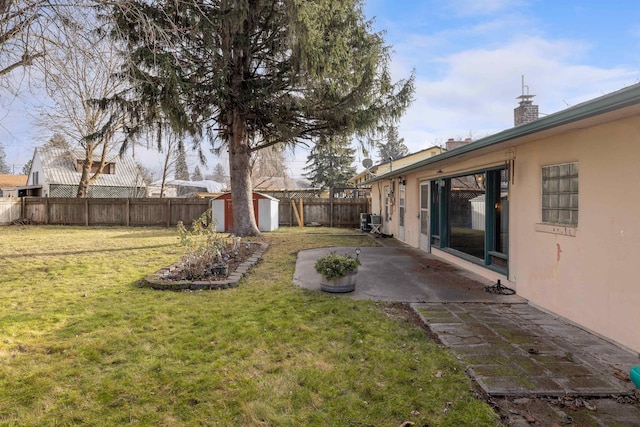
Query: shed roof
{"points": [[207, 185], [59, 167]]}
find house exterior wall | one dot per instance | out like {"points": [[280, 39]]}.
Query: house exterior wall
{"points": [[412, 182], [589, 278]]}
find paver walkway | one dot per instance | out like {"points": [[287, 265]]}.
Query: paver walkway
{"points": [[516, 349]]}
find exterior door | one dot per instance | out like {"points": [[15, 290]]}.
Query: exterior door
{"points": [[424, 216], [401, 211], [387, 202]]}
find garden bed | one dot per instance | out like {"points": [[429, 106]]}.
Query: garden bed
{"points": [[172, 278]]}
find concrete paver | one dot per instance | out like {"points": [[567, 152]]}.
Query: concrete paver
{"points": [[519, 350]]}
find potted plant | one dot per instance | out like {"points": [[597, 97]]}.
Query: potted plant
{"points": [[338, 272]]}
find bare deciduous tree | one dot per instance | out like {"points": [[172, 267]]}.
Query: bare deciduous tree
{"points": [[23, 28], [268, 167], [77, 70]]}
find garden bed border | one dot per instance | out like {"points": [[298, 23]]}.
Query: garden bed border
{"points": [[156, 280]]}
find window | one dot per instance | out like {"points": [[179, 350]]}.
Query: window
{"points": [[35, 178], [109, 168], [560, 194], [470, 217], [466, 216]]}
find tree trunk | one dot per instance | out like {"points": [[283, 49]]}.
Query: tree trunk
{"points": [[244, 222], [83, 185]]}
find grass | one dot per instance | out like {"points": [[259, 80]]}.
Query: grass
{"points": [[81, 344]]}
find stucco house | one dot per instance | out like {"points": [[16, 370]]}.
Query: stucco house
{"points": [[550, 208], [56, 172]]}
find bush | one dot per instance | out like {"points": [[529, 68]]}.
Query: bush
{"points": [[333, 266], [204, 247]]}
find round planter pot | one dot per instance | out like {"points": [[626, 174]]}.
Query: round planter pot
{"points": [[340, 285]]}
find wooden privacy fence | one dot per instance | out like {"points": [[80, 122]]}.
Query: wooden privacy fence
{"points": [[167, 212], [327, 212], [10, 210], [127, 212]]}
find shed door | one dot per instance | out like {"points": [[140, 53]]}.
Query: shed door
{"points": [[228, 213]]}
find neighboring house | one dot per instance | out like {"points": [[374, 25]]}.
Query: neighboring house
{"points": [[56, 172], [389, 165], [550, 208], [9, 184], [183, 188]]}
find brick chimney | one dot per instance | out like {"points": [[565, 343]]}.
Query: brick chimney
{"points": [[452, 144], [526, 111]]}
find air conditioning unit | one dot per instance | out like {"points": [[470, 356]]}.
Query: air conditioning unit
{"points": [[365, 220]]}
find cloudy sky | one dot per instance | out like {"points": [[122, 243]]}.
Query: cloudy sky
{"points": [[469, 57]]}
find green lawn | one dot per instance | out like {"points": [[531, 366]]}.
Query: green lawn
{"points": [[81, 344]]}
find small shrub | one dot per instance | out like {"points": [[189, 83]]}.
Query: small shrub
{"points": [[204, 247], [333, 266]]}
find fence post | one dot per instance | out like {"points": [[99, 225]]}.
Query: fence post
{"points": [[168, 213], [331, 207], [46, 211], [301, 213], [126, 213], [295, 211], [86, 212]]}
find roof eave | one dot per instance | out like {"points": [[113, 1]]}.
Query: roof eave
{"points": [[614, 101]]}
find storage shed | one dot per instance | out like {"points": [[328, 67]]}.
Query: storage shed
{"points": [[265, 209]]}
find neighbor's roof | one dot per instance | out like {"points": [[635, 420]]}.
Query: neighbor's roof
{"points": [[595, 110], [13, 180], [208, 184], [59, 167]]}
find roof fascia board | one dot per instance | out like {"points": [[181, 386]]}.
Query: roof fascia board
{"points": [[614, 101]]}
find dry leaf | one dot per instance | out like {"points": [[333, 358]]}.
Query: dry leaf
{"points": [[621, 376]]}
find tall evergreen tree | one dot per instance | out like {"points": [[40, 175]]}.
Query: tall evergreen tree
{"points": [[181, 168], [250, 74], [329, 163], [219, 173], [4, 167], [393, 148], [57, 141], [26, 169], [196, 175]]}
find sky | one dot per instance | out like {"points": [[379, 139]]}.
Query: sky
{"points": [[469, 58]]}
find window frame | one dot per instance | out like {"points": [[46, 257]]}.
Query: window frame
{"points": [[560, 194], [495, 258]]}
